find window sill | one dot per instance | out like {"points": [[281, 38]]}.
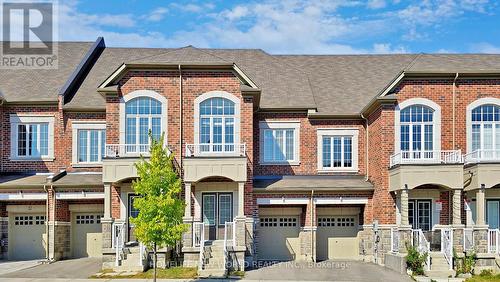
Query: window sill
{"points": [[29, 159], [325, 170], [293, 163], [81, 165]]}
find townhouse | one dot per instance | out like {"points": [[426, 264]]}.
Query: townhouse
{"points": [[283, 157]]}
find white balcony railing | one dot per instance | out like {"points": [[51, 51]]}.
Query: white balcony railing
{"points": [[126, 150], [200, 150], [493, 244], [426, 157], [482, 156]]}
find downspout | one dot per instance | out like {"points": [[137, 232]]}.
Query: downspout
{"points": [[312, 229], [453, 107], [46, 223], [367, 135], [1, 137], [180, 119]]}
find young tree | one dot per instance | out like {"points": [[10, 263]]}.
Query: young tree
{"points": [[161, 208]]}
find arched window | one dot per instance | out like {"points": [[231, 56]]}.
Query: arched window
{"points": [[485, 141], [417, 131], [142, 114], [217, 125]]}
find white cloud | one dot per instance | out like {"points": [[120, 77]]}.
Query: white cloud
{"points": [[485, 47], [193, 8], [386, 48], [376, 4], [157, 14]]}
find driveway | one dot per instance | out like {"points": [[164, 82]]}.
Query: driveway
{"points": [[326, 271], [8, 266], [72, 268]]}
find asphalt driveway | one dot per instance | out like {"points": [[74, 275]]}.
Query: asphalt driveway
{"points": [[326, 271], [72, 268]]}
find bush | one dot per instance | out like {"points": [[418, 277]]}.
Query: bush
{"points": [[414, 260], [465, 264]]}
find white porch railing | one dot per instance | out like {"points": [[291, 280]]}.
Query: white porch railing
{"points": [[468, 239], [394, 240], [119, 235], [143, 254], [126, 150], [420, 242], [493, 236], [426, 157], [482, 156], [229, 239], [447, 245], [199, 241], [197, 150]]}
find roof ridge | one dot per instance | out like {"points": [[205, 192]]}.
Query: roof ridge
{"points": [[411, 63]]}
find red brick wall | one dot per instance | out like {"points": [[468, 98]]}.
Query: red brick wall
{"points": [[308, 143]]}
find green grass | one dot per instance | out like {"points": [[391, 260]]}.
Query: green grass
{"points": [[484, 278], [169, 273], [237, 273]]}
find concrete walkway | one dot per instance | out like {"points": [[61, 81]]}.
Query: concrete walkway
{"points": [[72, 269], [7, 266]]}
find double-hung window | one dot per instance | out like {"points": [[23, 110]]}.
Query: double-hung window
{"points": [[89, 141], [486, 132], [417, 132], [217, 125], [32, 137], [143, 115], [338, 149], [279, 142]]}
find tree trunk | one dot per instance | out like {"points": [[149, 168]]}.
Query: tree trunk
{"points": [[155, 259]]}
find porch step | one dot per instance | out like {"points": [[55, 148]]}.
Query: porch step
{"points": [[439, 262], [439, 274], [212, 273]]}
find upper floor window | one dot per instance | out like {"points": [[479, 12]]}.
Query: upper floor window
{"points": [[217, 125], [337, 149], [88, 143], [486, 131], [279, 142], [417, 130], [32, 137], [143, 114]]}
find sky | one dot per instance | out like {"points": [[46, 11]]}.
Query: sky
{"points": [[289, 26]]}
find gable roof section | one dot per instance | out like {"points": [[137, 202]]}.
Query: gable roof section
{"points": [[42, 85]]}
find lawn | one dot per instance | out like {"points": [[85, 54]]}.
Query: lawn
{"points": [[169, 273], [484, 278]]}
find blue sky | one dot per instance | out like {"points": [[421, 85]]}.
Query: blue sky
{"points": [[298, 27]]}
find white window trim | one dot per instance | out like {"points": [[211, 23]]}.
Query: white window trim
{"points": [[472, 106], [217, 94], [15, 120], [295, 125], [436, 118], [143, 93], [82, 125], [353, 132]]}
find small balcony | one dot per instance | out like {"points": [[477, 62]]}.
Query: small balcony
{"points": [[119, 159], [482, 168], [412, 169], [126, 150], [215, 160], [483, 156], [215, 150], [426, 157]]}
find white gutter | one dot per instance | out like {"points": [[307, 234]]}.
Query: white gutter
{"points": [[453, 108]]}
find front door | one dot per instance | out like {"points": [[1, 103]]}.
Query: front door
{"points": [[132, 213], [493, 213], [419, 214], [217, 209]]}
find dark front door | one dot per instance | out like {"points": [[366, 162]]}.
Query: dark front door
{"points": [[132, 213], [217, 209], [420, 214]]}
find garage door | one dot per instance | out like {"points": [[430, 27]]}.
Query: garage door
{"points": [[86, 235], [336, 237], [278, 238], [27, 237]]}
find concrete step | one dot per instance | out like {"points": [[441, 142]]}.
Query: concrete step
{"points": [[212, 273], [129, 268], [440, 273]]}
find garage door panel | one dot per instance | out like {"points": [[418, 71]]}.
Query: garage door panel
{"points": [[279, 238], [86, 235], [27, 238], [337, 237]]}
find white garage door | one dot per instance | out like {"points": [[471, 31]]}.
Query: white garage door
{"points": [[278, 238], [86, 235], [27, 237], [337, 237]]}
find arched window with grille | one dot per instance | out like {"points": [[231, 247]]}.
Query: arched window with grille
{"points": [[485, 131]]}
